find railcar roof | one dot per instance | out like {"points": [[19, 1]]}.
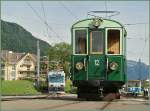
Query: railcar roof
{"points": [[105, 23]]}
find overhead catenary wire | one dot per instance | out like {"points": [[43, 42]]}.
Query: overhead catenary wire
{"points": [[140, 55], [106, 7], [136, 53], [70, 12], [138, 38], [44, 14], [36, 13], [130, 24], [49, 27], [144, 43], [45, 22]]}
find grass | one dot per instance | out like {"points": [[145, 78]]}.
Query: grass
{"points": [[18, 87], [26, 87]]}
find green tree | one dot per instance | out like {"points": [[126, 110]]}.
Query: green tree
{"points": [[61, 52]]}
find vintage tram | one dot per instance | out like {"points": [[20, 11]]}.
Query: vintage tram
{"points": [[98, 61]]}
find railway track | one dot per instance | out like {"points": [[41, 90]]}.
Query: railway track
{"points": [[105, 105], [64, 106], [80, 102], [60, 106], [70, 102]]}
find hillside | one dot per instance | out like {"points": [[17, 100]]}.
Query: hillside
{"points": [[16, 38], [136, 70]]}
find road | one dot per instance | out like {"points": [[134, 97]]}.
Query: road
{"points": [[70, 102]]}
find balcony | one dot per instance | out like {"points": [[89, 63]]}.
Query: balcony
{"points": [[27, 63], [26, 69]]}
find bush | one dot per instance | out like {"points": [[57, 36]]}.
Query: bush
{"points": [[43, 87], [74, 90], [69, 88]]}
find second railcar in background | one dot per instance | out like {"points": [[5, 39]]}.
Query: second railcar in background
{"points": [[99, 57], [56, 82]]}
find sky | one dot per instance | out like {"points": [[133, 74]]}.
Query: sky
{"points": [[60, 15]]}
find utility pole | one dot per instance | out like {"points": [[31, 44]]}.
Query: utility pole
{"points": [[47, 70], [38, 64], [139, 66], [139, 72]]}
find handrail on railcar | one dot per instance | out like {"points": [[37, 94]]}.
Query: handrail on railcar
{"points": [[95, 12]]}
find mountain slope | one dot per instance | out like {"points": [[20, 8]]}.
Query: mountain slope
{"points": [[137, 70], [16, 38]]}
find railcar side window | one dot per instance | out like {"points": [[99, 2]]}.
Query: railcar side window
{"points": [[96, 42], [80, 42], [113, 41]]}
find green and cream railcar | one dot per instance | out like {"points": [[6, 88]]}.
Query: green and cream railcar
{"points": [[99, 57]]}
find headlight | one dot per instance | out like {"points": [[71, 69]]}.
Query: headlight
{"points": [[79, 65], [97, 22], [113, 66]]}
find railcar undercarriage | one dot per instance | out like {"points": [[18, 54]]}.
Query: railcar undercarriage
{"points": [[98, 90]]}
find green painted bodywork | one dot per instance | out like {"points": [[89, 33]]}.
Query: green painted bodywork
{"points": [[99, 72], [91, 70], [76, 74], [96, 70], [119, 74]]}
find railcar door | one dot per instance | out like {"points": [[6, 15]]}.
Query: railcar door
{"points": [[115, 51], [80, 51], [96, 60]]}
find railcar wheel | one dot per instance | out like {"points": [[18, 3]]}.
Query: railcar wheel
{"points": [[117, 96], [109, 97], [111, 93], [88, 93]]}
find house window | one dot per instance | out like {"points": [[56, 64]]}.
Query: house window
{"points": [[13, 75], [2, 66], [2, 74], [28, 67], [13, 67]]}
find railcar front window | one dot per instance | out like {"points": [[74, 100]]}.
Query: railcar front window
{"points": [[80, 42], [97, 42], [113, 41], [56, 79]]}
